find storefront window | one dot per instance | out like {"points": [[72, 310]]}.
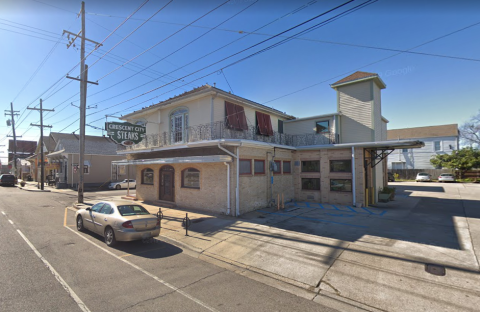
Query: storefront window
{"points": [[191, 178], [147, 176]]}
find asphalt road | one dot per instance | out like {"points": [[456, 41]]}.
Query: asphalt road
{"points": [[46, 265]]}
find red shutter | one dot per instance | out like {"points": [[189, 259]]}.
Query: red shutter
{"points": [[231, 115], [260, 123], [242, 120], [268, 124]]}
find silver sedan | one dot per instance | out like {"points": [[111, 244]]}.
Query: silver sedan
{"points": [[119, 220]]}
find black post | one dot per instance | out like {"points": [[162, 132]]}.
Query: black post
{"points": [[186, 224]]}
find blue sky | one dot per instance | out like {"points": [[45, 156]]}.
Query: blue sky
{"points": [[294, 77]]}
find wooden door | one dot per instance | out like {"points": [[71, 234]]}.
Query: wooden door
{"points": [[167, 183]]}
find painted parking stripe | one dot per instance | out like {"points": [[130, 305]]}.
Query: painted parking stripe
{"points": [[311, 219], [65, 286], [174, 288]]}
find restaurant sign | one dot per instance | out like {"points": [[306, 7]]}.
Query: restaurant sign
{"points": [[125, 133]]}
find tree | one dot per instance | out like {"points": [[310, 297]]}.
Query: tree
{"points": [[470, 131], [462, 160]]}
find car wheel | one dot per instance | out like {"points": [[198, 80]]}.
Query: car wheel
{"points": [[118, 187], [109, 237], [80, 224]]}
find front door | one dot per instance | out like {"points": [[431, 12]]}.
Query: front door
{"points": [[167, 183]]}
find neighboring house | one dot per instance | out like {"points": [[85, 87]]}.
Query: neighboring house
{"points": [[212, 150], [35, 160], [22, 150], [438, 140], [99, 154]]}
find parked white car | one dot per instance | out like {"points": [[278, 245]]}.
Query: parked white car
{"points": [[423, 177], [446, 177], [123, 184]]}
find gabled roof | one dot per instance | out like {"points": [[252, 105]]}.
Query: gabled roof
{"points": [[203, 90], [359, 76], [94, 145], [423, 132]]}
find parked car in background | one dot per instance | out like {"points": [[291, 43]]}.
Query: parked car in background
{"points": [[423, 177], [390, 177], [8, 179], [446, 177], [119, 220], [131, 183]]}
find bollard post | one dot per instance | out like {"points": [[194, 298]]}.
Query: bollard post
{"points": [[283, 202], [278, 202], [186, 224]]}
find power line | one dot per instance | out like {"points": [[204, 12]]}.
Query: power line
{"points": [[372, 63], [236, 62]]}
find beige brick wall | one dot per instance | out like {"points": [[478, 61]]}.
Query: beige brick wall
{"points": [[255, 190], [212, 195], [325, 195]]}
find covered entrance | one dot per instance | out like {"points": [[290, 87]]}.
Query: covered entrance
{"points": [[167, 185]]}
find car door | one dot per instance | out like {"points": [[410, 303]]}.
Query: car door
{"points": [[133, 184], [90, 216], [102, 218]]}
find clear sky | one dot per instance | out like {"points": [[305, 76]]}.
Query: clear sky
{"points": [[172, 53]]}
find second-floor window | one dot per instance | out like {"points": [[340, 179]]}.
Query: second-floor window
{"points": [[264, 124], [235, 117], [322, 126], [179, 124]]}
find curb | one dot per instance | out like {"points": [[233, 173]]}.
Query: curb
{"points": [[32, 190]]}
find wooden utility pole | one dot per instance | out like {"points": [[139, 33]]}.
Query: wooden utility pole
{"points": [[12, 114], [42, 166], [83, 97]]}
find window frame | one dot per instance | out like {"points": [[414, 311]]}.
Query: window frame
{"points": [[327, 128], [254, 162], [183, 112], [301, 166], [343, 191], [337, 160], [279, 166], [439, 146], [309, 178], [250, 166], [183, 178], [143, 176], [290, 167]]}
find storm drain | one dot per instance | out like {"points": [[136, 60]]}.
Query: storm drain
{"points": [[435, 269]]}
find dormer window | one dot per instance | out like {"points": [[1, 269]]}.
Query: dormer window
{"points": [[179, 124], [235, 117]]}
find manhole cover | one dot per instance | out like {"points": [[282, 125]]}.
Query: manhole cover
{"points": [[435, 269]]}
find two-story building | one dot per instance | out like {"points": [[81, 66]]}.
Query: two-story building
{"points": [[212, 150], [438, 140]]}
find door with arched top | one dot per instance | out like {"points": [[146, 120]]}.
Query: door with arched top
{"points": [[167, 185]]}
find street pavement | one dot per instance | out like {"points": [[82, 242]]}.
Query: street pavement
{"points": [[348, 258]]}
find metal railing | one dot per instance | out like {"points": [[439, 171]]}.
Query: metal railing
{"points": [[218, 130]]}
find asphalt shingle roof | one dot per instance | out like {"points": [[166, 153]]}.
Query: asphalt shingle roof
{"points": [[423, 132], [95, 145], [355, 76]]}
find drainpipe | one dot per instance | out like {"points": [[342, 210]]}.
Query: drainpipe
{"points": [[237, 190], [353, 178], [228, 188]]}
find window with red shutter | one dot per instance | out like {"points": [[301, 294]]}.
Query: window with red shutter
{"points": [[264, 124], [235, 117]]}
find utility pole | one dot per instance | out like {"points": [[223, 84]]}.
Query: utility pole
{"points": [[83, 96], [12, 114], [42, 166]]}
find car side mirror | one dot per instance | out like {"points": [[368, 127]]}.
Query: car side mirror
{"points": [[88, 209]]}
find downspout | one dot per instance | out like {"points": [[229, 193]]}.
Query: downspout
{"points": [[228, 188], [237, 190], [354, 178]]}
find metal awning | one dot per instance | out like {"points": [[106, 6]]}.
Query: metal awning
{"points": [[176, 160], [385, 145], [56, 155]]}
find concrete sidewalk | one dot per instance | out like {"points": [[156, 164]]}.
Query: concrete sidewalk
{"points": [[350, 258]]}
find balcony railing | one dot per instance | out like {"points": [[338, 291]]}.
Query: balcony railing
{"points": [[218, 130]]}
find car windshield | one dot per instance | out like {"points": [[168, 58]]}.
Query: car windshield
{"points": [[131, 210], [423, 174], [447, 175]]}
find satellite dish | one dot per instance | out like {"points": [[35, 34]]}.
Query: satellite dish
{"points": [[140, 122]]}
